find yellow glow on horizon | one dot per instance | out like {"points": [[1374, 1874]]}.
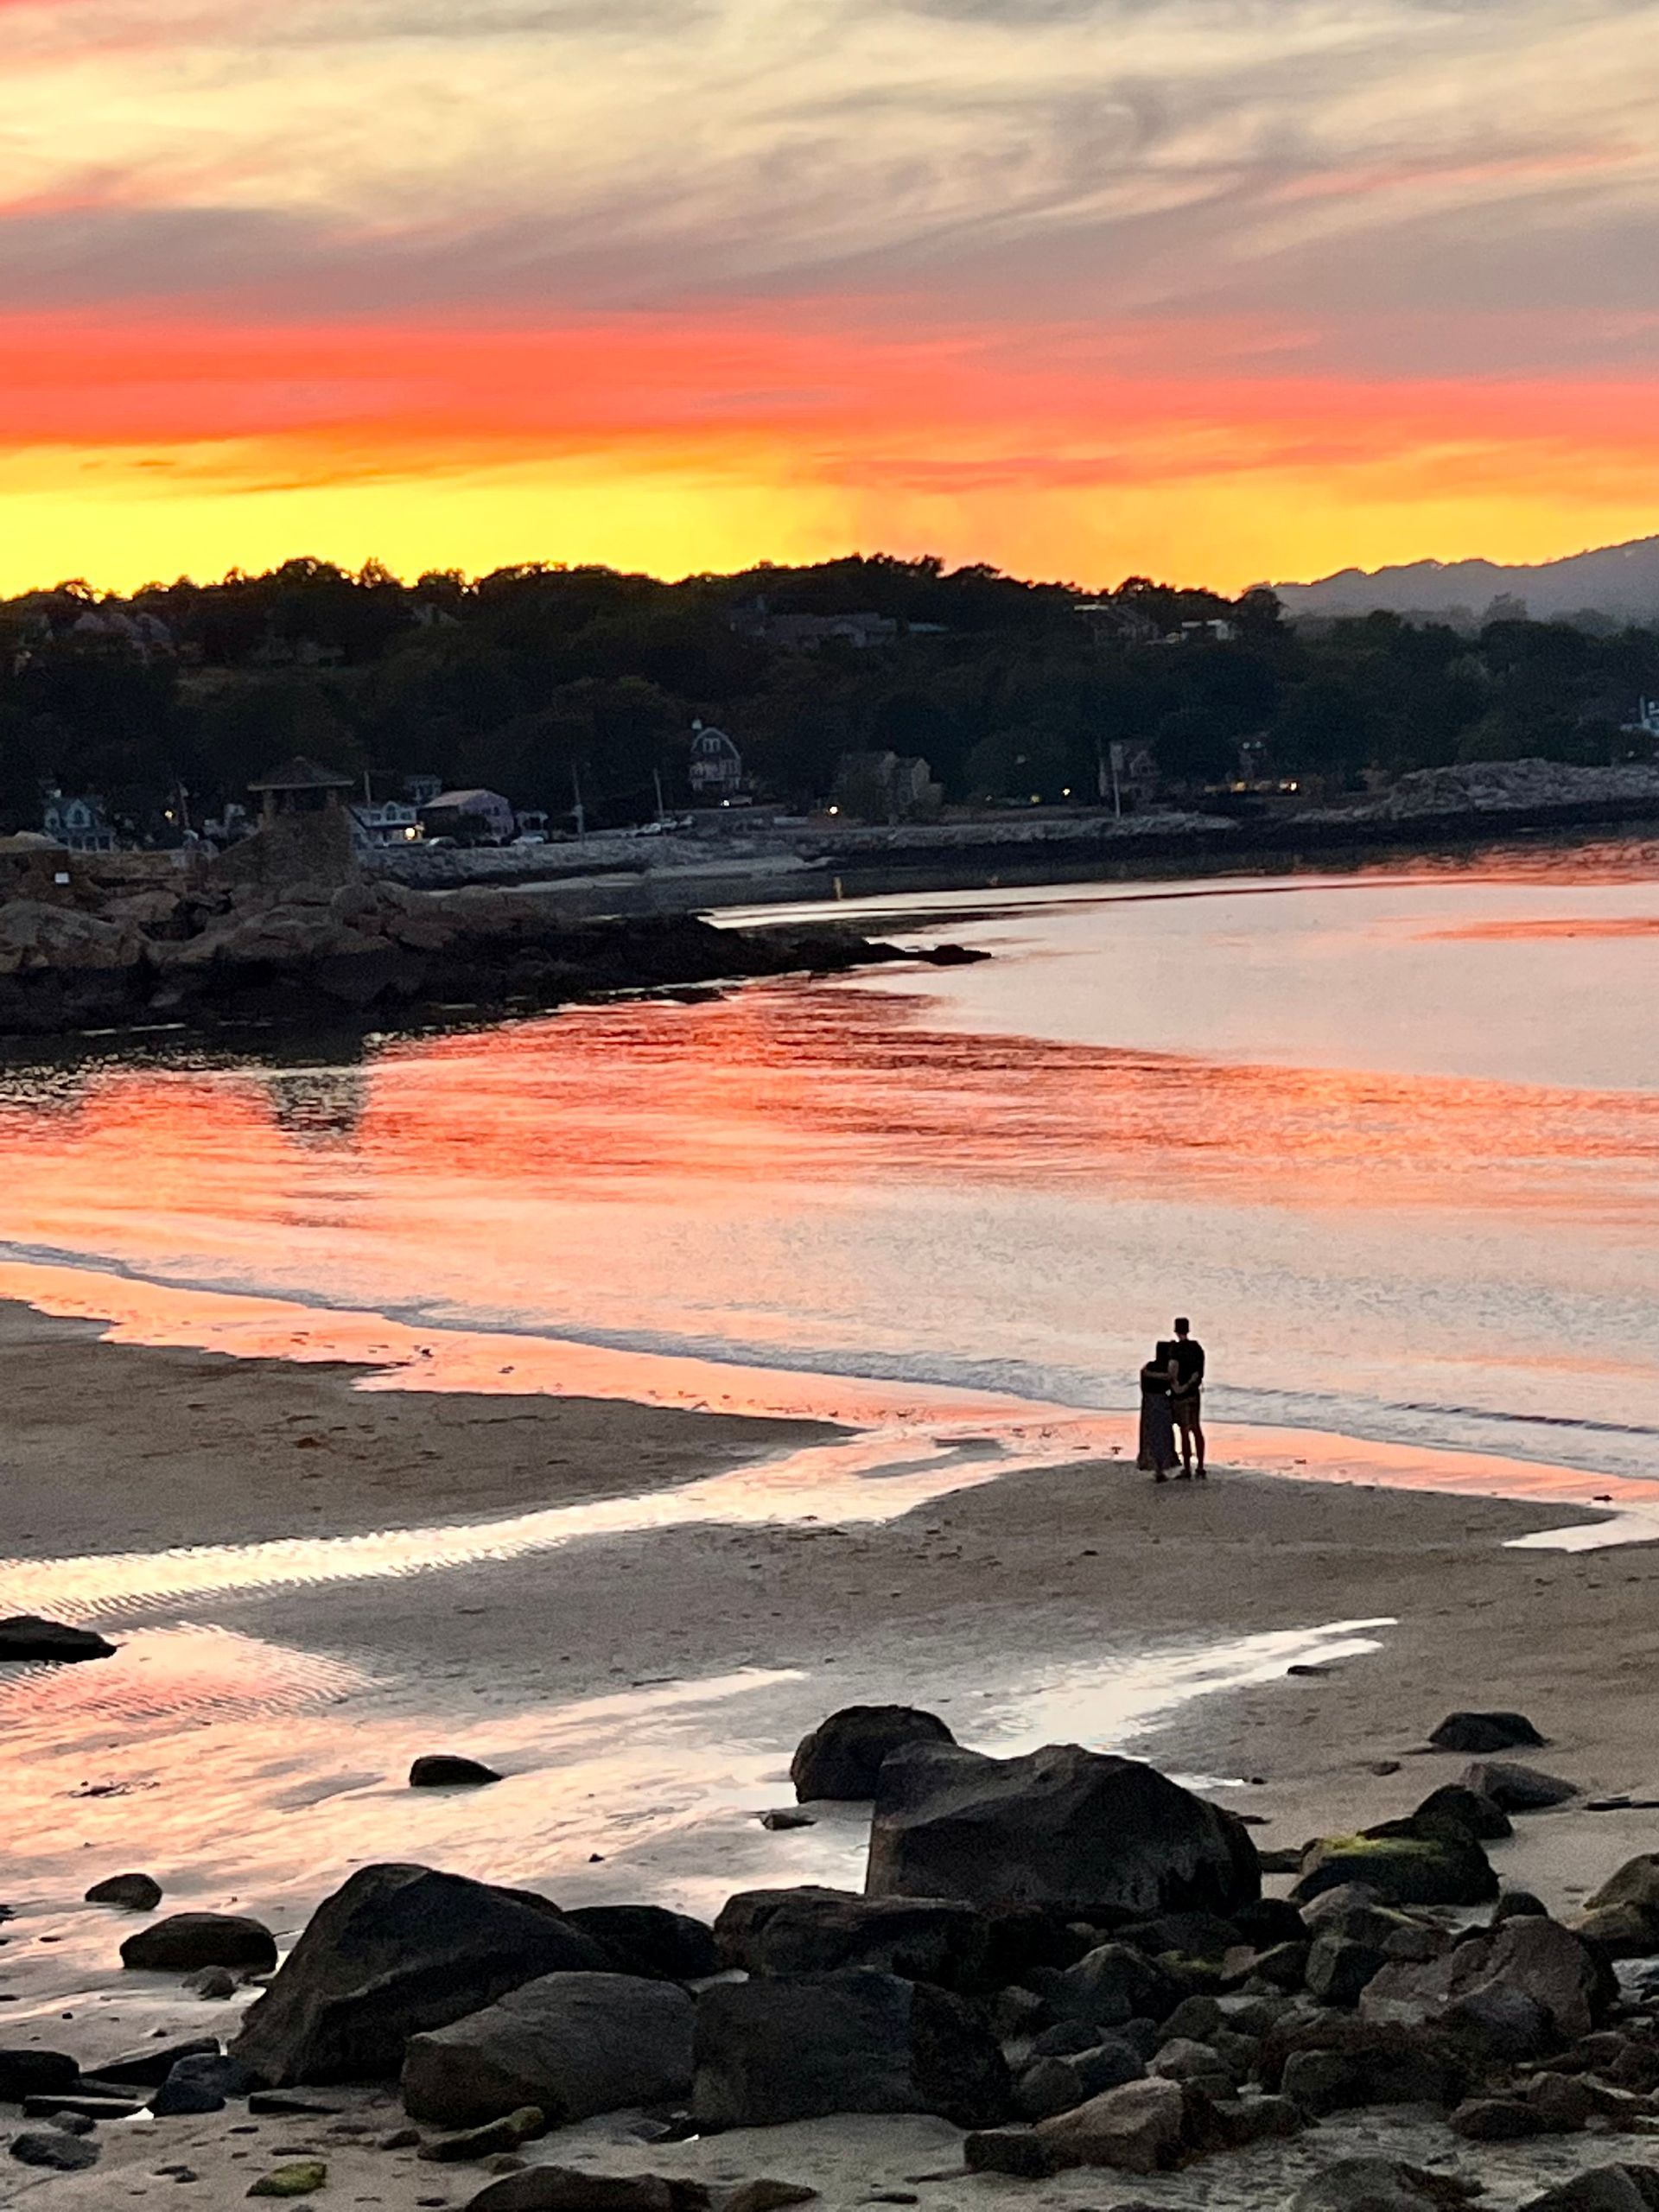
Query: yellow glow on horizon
{"points": [[92, 515]]}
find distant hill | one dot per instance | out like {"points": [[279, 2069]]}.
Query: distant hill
{"points": [[1620, 580]]}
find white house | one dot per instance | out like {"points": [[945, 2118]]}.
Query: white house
{"points": [[471, 813], [717, 769], [77, 823]]}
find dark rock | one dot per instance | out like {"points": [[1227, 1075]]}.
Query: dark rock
{"points": [[150, 2065], [1083, 1830], [1285, 1966], [1338, 1970], [1058, 2084], [782, 1821], [1024, 1936], [396, 1951], [1336, 2062], [1197, 2019], [648, 1939], [74, 2123], [1563, 2101], [1623, 1914], [198, 2078], [844, 1756], [1245, 2120], [1201, 2064], [443, 1770], [1064, 2040], [25, 1636], [1604, 2188], [820, 1931], [50, 2146], [570, 2188], [1484, 1732], [1141, 2128], [506, 2133], [185, 2095], [1485, 1822], [1266, 1923], [187, 1941], [1496, 2119], [1182, 1935], [211, 1981], [1018, 2150], [1015, 2013], [1517, 1789], [800, 2047], [1537, 1960], [127, 1892], [1519, 1904], [1113, 1985], [24, 2073], [1382, 2186], [1404, 1868], [572, 2044]]}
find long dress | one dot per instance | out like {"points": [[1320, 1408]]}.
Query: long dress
{"points": [[1157, 1453]]}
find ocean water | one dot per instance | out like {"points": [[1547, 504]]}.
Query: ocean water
{"points": [[1391, 1139]]}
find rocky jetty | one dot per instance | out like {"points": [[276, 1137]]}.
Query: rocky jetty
{"points": [[361, 950]]}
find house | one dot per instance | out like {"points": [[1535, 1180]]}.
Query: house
{"points": [[717, 766], [389, 813], [474, 815], [386, 821], [885, 787], [806, 632], [78, 824], [1119, 620], [1645, 720], [300, 786]]}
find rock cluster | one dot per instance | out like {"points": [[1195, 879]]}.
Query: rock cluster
{"points": [[312, 949], [1067, 1955]]}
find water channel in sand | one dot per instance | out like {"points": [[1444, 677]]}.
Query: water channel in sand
{"points": [[1392, 1142]]}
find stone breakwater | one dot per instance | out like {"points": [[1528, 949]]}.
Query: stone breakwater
{"points": [[1065, 1956], [363, 950]]}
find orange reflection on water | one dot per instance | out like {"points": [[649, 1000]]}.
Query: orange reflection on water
{"points": [[1558, 925], [460, 1153]]}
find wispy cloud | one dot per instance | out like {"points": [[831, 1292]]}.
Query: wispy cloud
{"points": [[1212, 194]]}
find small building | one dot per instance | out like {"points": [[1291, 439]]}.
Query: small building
{"points": [[716, 765], [1645, 720], [474, 817], [300, 786], [78, 824], [885, 787]]}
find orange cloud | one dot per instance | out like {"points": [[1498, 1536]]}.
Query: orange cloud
{"points": [[152, 445]]}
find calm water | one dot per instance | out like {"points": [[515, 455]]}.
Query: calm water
{"points": [[1392, 1141]]}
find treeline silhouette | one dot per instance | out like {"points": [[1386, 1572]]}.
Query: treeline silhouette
{"points": [[516, 679]]}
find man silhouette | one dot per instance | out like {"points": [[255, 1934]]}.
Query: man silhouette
{"points": [[1187, 1401]]}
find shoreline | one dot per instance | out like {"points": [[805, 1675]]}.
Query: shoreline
{"points": [[249, 1741]]}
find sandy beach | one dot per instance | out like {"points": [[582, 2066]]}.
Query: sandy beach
{"points": [[642, 1686]]}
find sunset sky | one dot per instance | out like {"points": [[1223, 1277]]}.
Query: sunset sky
{"points": [[1213, 290]]}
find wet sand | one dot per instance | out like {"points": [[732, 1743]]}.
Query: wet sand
{"points": [[641, 1683]]}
